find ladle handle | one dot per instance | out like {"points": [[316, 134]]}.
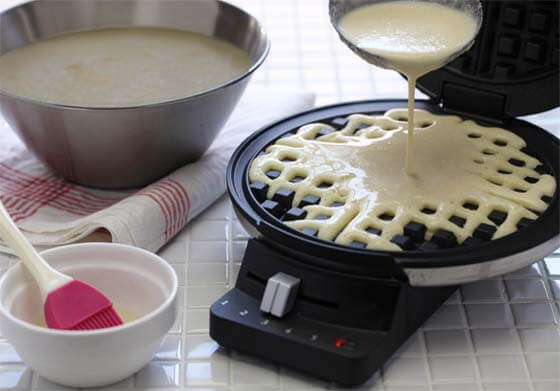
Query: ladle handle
{"points": [[46, 277]]}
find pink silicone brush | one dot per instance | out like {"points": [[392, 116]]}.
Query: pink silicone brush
{"points": [[68, 304]]}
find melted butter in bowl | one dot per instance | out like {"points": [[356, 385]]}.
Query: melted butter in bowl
{"points": [[132, 278], [361, 167], [120, 67]]}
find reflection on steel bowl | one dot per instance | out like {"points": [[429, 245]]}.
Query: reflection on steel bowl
{"points": [[124, 146]]}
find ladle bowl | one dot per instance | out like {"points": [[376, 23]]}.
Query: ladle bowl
{"points": [[339, 8]]}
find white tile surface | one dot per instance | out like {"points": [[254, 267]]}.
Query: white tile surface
{"points": [[446, 317], [502, 367], [412, 347], [238, 249], [455, 387], [540, 339], [490, 341], [526, 290], [488, 315], [405, 370], [555, 288], [447, 342], [553, 265], [8, 355], [215, 371], [177, 327], [159, 374], [238, 232], [452, 369], [14, 377], [171, 348], [250, 371], [533, 314], [204, 295], [176, 251], [507, 387], [209, 230], [207, 273], [497, 335], [200, 347], [483, 291], [545, 366], [197, 321], [208, 251]]}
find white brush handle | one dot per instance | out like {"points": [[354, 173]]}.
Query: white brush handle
{"points": [[46, 277]]}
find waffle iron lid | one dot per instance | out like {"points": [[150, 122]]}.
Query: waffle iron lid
{"points": [[511, 70]]}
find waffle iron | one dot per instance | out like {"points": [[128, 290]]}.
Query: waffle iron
{"points": [[339, 312]]}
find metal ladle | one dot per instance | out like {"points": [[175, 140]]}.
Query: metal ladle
{"points": [[339, 8]]}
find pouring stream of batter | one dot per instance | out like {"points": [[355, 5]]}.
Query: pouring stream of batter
{"points": [[411, 37]]}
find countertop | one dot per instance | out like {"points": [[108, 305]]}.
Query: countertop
{"points": [[501, 334]]}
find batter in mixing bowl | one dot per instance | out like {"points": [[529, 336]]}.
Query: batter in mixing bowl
{"points": [[120, 67]]}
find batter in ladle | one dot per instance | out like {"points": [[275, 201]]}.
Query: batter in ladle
{"points": [[411, 37]]}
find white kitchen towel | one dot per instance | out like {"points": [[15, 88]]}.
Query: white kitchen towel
{"points": [[53, 212]]}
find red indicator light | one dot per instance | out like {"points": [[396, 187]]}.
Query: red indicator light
{"points": [[340, 342]]}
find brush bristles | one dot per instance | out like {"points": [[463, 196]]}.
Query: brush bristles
{"points": [[101, 320]]}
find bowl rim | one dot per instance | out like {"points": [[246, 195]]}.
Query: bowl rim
{"points": [[107, 331], [247, 73]]}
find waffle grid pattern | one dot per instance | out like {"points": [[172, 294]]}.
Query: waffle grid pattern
{"points": [[319, 203], [496, 335], [522, 44]]}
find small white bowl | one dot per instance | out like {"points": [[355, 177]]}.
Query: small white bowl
{"points": [[134, 279]]}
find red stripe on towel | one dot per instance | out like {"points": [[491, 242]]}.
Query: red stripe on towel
{"points": [[48, 190], [171, 209], [180, 196], [179, 208]]}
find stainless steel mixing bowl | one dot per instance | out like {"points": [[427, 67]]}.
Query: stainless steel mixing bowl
{"points": [[131, 146]]}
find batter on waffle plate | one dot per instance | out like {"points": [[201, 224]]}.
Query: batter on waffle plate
{"points": [[351, 186]]}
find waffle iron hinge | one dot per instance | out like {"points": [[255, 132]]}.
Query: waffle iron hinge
{"points": [[485, 105]]}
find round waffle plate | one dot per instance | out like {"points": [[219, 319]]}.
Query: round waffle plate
{"points": [[439, 267]]}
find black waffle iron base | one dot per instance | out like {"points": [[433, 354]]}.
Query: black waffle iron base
{"points": [[353, 307], [342, 328]]}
